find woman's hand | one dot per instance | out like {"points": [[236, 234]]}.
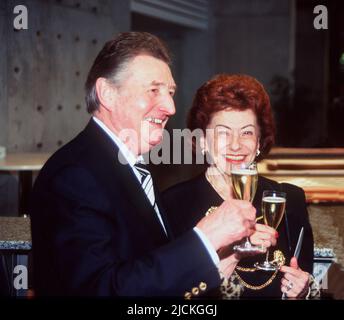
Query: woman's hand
{"points": [[264, 236], [227, 265], [295, 282]]}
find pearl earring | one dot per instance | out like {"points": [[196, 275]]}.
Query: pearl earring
{"points": [[257, 152]]}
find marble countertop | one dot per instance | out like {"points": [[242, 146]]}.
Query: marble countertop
{"points": [[15, 233]]}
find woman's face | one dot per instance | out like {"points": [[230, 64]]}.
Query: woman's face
{"points": [[232, 137]]}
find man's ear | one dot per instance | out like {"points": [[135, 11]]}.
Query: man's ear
{"points": [[106, 93]]}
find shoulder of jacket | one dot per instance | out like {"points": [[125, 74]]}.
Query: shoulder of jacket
{"points": [[183, 187]]}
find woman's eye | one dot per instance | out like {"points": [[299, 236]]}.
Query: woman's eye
{"points": [[172, 93], [247, 133]]}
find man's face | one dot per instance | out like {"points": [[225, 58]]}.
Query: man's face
{"points": [[144, 103]]}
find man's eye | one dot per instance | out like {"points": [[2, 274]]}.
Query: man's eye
{"points": [[154, 90]]}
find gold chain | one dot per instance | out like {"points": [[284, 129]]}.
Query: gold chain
{"points": [[278, 258], [262, 286], [245, 269]]}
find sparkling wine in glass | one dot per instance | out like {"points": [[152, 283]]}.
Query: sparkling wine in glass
{"points": [[273, 207], [244, 182]]}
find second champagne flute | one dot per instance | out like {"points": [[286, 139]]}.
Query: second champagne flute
{"points": [[273, 207]]}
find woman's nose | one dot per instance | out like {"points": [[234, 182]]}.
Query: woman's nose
{"points": [[235, 143]]}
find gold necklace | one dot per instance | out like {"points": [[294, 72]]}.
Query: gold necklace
{"points": [[262, 286], [278, 258], [278, 255]]}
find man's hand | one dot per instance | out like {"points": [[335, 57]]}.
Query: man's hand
{"points": [[232, 221]]}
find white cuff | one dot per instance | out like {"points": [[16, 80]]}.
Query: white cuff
{"points": [[208, 246]]}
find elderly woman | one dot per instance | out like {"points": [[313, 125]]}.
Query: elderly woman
{"points": [[234, 113]]}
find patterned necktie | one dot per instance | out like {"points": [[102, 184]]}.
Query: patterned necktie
{"points": [[146, 182], [147, 186]]}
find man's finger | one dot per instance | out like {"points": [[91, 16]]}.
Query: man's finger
{"points": [[247, 208], [250, 227]]}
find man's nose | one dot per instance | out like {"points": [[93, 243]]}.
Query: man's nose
{"points": [[168, 105]]}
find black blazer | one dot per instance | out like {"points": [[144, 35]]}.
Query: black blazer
{"points": [[187, 202], [95, 233]]}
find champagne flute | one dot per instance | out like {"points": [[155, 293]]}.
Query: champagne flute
{"points": [[273, 207], [244, 181]]}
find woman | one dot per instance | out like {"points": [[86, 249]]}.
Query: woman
{"points": [[235, 116]]}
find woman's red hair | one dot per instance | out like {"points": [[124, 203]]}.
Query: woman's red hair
{"points": [[237, 92]]}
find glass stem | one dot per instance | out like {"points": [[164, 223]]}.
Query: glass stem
{"points": [[267, 256]]}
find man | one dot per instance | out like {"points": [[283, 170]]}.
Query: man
{"points": [[96, 229]]}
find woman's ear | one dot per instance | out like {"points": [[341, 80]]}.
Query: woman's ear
{"points": [[106, 93], [203, 144], [258, 149]]}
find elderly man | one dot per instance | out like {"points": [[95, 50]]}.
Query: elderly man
{"points": [[97, 226]]}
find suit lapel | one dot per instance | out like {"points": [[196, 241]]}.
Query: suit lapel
{"points": [[122, 174]]}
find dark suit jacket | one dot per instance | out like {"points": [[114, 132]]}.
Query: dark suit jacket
{"points": [[94, 231], [187, 202]]}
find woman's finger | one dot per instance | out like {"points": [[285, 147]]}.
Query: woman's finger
{"points": [[259, 237], [266, 229], [291, 289], [298, 283]]}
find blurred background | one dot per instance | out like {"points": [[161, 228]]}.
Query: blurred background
{"points": [[43, 69]]}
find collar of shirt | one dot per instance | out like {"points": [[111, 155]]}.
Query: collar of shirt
{"points": [[128, 155]]}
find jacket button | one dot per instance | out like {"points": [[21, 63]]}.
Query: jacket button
{"points": [[195, 291], [203, 286], [187, 295]]}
